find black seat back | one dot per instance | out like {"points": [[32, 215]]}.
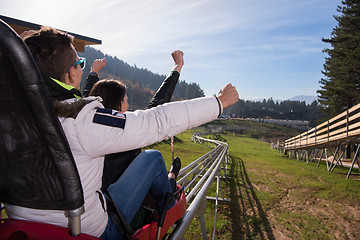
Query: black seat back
{"points": [[37, 169]]}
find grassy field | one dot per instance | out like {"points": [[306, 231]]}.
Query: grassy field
{"points": [[274, 197]]}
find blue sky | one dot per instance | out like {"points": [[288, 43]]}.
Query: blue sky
{"points": [[265, 48]]}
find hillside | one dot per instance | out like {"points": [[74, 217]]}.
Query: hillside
{"points": [[286, 110], [141, 83], [262, 131]]}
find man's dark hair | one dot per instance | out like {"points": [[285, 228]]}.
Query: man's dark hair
{"points": [[52, 50], [111, 91]]}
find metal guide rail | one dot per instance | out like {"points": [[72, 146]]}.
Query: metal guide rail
{"points": [[196, 179]]}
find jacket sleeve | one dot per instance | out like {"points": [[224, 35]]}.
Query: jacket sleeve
{"points": [[166, 90], [143, 127], [89, 83]]}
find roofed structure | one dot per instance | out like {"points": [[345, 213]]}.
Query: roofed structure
{"points": [[20, 26]]}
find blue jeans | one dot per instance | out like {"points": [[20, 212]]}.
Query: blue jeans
{"points": [[147, 172]]}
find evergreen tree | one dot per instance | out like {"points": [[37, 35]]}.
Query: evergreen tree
{"points": [[341, 85]]}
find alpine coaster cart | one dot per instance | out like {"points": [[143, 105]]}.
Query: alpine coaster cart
{"points": [[37, 167]]}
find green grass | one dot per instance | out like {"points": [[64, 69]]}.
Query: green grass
{"points": [[255, 129], [274, 197], [301, 201]]}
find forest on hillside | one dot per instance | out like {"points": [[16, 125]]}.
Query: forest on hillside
{"points": [[142, 84], [287, 110]]}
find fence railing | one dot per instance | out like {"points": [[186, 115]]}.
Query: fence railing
{"points": [[342, 127], [196, 179], [339, 133]]}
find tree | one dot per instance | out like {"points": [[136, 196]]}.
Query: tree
{"points": [[341, 85]]}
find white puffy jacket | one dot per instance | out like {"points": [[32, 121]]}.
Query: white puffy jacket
{"points": [[96, 132]]}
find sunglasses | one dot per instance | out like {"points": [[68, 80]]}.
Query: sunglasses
{"points": [[81, 62]]}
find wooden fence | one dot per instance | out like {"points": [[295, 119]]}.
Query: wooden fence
{"points": [[339, 133]]}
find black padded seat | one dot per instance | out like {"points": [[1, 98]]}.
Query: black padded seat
{"points": [[37, 167]]}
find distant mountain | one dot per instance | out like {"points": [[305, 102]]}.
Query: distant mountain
{"points": [[302, 98]]}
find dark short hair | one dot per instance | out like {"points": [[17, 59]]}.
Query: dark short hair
{"points": [[111, 91], [52, 50]]}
